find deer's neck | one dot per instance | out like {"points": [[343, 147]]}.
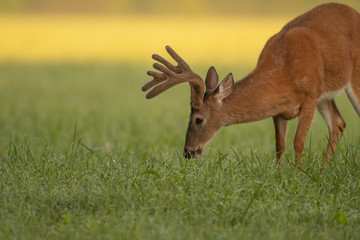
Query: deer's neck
{"points": [[254, 98]]}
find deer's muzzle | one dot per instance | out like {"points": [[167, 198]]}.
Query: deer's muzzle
{"points": [[192, 154]]}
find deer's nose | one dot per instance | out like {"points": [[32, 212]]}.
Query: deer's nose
{"points": [[187, 154], [192, 154]]}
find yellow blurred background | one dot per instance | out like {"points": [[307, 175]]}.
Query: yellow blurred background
{"points": [[130, 31]]}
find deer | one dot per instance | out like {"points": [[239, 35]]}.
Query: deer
{"points": [[300, 69]]}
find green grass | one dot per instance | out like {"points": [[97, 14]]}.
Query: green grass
{"points": [[83, 155]]}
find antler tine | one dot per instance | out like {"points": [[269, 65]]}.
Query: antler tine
{"points": [[171, 75], [178, 59]]}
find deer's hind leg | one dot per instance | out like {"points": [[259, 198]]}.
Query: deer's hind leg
{"points": [[335, 123], [280, 137], [353, 87], [353, 93]]}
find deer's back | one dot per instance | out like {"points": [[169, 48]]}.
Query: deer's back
{"points": [[319, 48], [329, 19]]}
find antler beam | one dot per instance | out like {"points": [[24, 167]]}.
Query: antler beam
{"points": [[171, 75]]}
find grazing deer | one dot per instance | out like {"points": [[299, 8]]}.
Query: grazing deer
{"points": [[301, 68]]}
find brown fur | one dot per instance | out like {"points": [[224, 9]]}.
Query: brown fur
{"points": [[301, 68]]}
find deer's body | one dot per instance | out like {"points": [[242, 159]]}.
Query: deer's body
{"points": [[301, 68]]}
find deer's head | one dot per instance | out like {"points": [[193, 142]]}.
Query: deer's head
{"points": [[206, 116]]}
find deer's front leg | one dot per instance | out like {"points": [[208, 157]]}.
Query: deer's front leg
{"points": [[306, 116], [280, 137]]}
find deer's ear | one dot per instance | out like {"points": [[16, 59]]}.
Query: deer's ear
{"points": [[211, 80], [225, 88]]}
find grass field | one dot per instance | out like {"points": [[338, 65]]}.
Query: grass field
{"points": [[83, 155]]}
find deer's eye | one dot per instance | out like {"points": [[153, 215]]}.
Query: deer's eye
{"points": [[199, 121]]}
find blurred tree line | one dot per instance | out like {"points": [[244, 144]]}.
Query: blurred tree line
{"points": [[166, 7]]}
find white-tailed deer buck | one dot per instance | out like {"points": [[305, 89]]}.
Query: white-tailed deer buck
{"points": [[301, 68]]}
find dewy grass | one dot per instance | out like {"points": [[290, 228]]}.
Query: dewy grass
{"points": [[84, 156]]}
